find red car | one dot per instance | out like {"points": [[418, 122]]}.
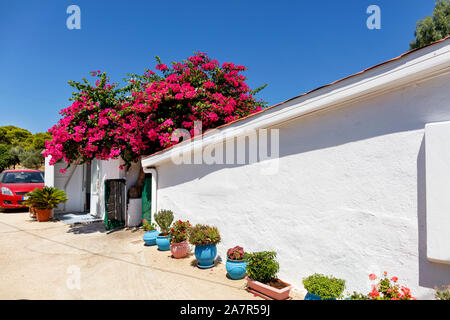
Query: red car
{"points": [[15, 184]]}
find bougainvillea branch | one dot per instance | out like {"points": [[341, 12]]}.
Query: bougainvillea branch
{"points": [[107, 122]]}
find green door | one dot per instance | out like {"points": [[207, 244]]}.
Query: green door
{"points": [[147, 198]]}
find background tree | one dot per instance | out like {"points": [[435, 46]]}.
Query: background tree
{"points": [[31, 158], [14, 156], [4, 157], [15, 136], [433, 28], [20, 146], [37, 141]]}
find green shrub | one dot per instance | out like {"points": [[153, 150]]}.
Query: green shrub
{"points": [[328, 287], [202, 234], [262, 266], [45, 198], [443, 294], [147, 226], [164, 219], [358, 296]]}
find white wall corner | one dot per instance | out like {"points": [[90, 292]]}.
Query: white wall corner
{"points": [[49, 177], [154, 174], [437, 159]]}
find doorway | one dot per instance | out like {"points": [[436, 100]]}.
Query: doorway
{"points": [[94, 205], [87, 188], [115, 203], [147, 198]]}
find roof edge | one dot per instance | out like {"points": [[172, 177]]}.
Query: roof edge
{"points": [[422, 64]]}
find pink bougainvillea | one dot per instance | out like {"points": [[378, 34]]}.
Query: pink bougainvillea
{"points": [[106, 122]]}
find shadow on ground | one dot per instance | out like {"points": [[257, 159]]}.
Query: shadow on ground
{"points": [[14, 211], [85, 228], [218, 261]]}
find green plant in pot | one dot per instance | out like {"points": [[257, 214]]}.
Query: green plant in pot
{"points": [[262, 270], [321, 287], [205, 238], [44, 200], [179, 234], [147, 226], [151, 232], [443, 294], [384, 288], [236, 264], [164, 219]]}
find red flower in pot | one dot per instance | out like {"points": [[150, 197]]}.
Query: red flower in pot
{"points": [[179, 235]]}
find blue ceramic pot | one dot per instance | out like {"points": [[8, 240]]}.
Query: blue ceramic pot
{"points": [[205, 254], [312, 296], [163, 243], [236, 269], [150, 237]]}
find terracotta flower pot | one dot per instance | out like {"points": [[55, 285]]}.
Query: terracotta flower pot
{"points": [[32, 212], [179, 250], [269, 291], [43, 214]]}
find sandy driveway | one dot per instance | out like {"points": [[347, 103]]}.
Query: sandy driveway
{"points": [[49, 260]]}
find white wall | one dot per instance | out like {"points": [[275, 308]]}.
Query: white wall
{"points": [[107, 170], [110, 170], [49, 177], [437, 150], [349, 198], [72, 187]]}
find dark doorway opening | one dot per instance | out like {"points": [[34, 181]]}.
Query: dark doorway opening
{"points": [[115, 203]]}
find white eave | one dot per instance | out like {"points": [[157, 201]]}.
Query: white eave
{"points": [[415, 66]]}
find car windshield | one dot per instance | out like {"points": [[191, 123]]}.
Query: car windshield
{"points": [[22, 177]]}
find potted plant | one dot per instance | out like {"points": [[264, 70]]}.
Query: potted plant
{"points": [[32, 212], [262, 269], [178, 238], [385, 289], [164, 219], [321, 287], [30, 200], [236, 263], [150, 234], [44, 200], [204, 238], [443, 294]]}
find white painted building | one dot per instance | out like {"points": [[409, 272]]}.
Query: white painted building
{"points": [[85, 185], [361, 184]]}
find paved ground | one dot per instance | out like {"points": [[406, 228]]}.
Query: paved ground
{"points": [[41, 260]]}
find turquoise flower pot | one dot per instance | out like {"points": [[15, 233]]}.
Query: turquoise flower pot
{"points": [[312, 296], [163, 243], [236, 269], [205, 255], [150, 237]]}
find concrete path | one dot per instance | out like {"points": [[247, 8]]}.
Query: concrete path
{"points": [[44, 260]]}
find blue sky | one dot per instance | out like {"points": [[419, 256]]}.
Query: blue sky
{"points": [[294, 46]]}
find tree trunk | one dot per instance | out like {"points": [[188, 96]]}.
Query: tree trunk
{"points": [[135, 191]]}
